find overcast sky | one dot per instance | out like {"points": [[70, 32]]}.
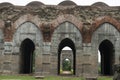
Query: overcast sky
{"points": [[55, 2]]}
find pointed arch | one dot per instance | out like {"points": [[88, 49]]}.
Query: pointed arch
{"points": [[67, 42], [69, 18], [105, 19], [108, 34], [106, 49], [27, 48], [27, 17], [28, 30], [65, 30]]}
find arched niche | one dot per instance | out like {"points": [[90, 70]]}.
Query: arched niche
{"points": [[27, 56], [27, 30], [109, 33], [65, 30], [69, 43], [107, 55], [31, 32]]}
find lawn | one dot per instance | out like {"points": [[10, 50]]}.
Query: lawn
{"points": [[105, 78], [47, 78], [17, 78]]}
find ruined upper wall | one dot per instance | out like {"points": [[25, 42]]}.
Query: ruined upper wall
{"points": [[85, 14], [86, 18]]}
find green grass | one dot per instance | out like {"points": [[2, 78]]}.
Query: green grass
{"points": [[105, 78], [62, 78], [17, 78], [48, 78]]}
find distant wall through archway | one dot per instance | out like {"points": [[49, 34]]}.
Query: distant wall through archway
{"points": [[63, 43]]}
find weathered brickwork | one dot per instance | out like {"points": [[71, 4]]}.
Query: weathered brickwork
{"points": [[51, 28]]}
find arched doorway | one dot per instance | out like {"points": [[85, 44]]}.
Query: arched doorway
{"points": [[27, 60], [66, 66], [66, 42], [107, 51]]}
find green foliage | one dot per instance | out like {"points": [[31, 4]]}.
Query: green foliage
{"points": [[99, 68], [66, 65]]}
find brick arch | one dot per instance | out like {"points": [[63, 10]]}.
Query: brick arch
{"points": [[24, 23], [69, 18], [27, 18], [101, 20], [105, 19]]}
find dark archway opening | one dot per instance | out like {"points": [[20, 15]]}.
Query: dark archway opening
{"points": [[107, 51], [67, 42], [27, 48]]}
